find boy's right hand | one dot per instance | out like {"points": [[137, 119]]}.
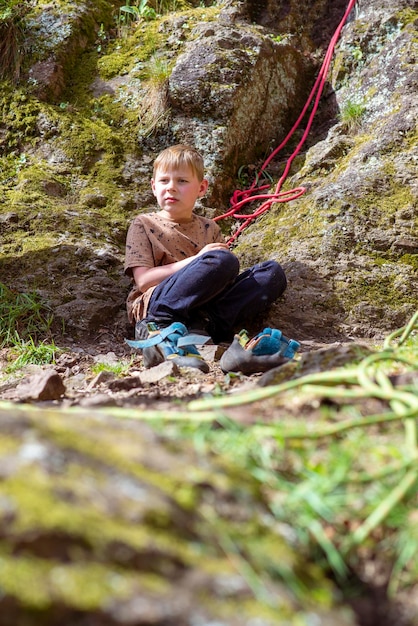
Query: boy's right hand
{"points": [[213, 246]]}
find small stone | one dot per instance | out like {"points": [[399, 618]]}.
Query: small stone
{"points": [[159, 372], [102, 377], [47, 385], [125, 384]]}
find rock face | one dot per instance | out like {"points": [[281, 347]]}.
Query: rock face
{"points": [[349, 244], [107, 523], [81, 129], [232, 82]]}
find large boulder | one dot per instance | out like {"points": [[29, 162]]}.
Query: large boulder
{"points": [[233, 82], [105, 522]]}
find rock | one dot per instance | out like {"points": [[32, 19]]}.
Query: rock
{"points": [[48, 76], [315, 361], [47, 385], [126, 384], [9, 218], [102, 377], [222, 75], [98, 400], [159, 372], [239, 77], [118, 526]]}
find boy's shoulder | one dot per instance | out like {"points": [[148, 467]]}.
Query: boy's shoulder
{"points": [[147, 217], [156, 217]]}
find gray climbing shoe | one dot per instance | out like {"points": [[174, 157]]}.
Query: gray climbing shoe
{"points": [[173, 343], [266, 350]]}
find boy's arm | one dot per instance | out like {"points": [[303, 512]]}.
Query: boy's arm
{"points": [[146, 277]]}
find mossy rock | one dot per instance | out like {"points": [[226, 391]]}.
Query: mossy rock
{"points": [[105, 519]]}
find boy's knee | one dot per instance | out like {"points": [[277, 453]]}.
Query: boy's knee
{"points": [[275, 276], [223, 258]]}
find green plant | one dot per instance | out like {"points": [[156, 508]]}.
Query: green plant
{"points": [[30, 353], [154, 107], [129, 13], [157, 71], [22, 315], [168, 6], [313, 486], [144, 10], [12, 30], [351, 114], [357, 54], [101, 38], [280, 38], [119, 369], [247, 174]]}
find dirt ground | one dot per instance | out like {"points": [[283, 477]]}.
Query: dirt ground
{"points": [[123, 381]]}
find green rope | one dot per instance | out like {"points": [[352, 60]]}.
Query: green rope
{"points": [[367, 380]]}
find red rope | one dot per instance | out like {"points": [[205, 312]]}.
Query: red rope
{"points": [[242, 197]]}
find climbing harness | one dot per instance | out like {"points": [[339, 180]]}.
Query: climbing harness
{"points": [[241, 198]]}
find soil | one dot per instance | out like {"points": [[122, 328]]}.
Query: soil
{"points": [[164, 387]]}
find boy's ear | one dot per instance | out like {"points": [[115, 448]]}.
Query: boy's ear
{"points": [[153, 186], [203, 187]]}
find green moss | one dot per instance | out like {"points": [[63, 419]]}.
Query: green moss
{"points": [[19, 115], [85, 530], [274, 232], [380, 291], [86, 139], [407, 16], [39, 584], [379, 206], [125, 54], [8, 445], [130, 53], [409, 259]]}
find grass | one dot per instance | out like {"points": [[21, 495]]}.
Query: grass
{"points": [[351, 114], [138, 10], [23, 320], [23, 317], [12, 30], [29, 353], [342, 483], [119, 369]]}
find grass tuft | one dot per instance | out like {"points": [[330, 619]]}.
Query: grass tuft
{"points": [[351, 114], [30, 353], [12, 31], [22, 317]]}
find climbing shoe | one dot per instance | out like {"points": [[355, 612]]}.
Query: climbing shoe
{"points": [[172, 343], [268, 349]]}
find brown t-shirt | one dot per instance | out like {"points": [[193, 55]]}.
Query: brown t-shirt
{"points": [[152, 240]]}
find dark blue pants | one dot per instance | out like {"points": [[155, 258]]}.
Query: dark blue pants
{"points": [[212, 288]]}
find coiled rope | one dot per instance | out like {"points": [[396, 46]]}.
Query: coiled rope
{"points": [[241, 198], [366, 380]]}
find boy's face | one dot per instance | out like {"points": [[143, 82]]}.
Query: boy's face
{"points": [[177, 190]]}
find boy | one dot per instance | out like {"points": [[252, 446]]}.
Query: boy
{"points": [[183, 271]]}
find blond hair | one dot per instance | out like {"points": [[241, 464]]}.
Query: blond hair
{"points": [[180, 155]]}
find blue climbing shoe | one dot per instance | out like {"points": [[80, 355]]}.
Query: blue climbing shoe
{"points": [[173, 343], [268, 349]]}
